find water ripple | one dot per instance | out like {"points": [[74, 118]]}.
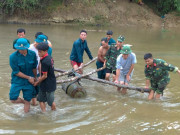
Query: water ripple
{"points": [[2, 131], [68, 127]]}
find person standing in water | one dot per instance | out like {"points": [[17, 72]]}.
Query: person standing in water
{"points": [[79, 46], [111, 57], [125, 67], [47, 80], [101, 54], [23, 63], [157, 76]]}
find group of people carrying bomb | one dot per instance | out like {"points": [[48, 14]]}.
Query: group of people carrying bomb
{"points": [[115, 56], [33, 67], [32, 71], [119, 60]]}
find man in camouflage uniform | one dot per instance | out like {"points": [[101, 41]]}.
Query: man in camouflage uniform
{"points": [[156, 72], [111, 56]]}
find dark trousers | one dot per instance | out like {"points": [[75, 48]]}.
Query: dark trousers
{"points": [[101, 74]]}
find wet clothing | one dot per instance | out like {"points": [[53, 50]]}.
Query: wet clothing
{"points": [[124, 65], [35, 93], [110, 71], [46, 97], [73, 63], [78, 50], [28, 91], [37, 88], [122, 77], [159, 86], [24, 64], [158, 74], [47, 66], [14, 42], [101, 74], [111, 57]]}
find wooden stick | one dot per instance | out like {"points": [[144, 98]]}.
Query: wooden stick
{"points": [[110, 83], [59, 70], [117, 85], [78, 77], [67, 72]]}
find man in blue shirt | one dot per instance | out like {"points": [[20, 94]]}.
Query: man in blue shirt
{"points": [[23, 63], [111, 41], [125, 66], [79, 46]]}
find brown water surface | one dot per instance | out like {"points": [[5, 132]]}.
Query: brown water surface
{"points": [[104, 110]]}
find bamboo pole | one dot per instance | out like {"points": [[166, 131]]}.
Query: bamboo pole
{"points": [[103, 81], [67, 72], [118, 85], [59, 70], [78, 77]]}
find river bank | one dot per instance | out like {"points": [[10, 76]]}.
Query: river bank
{"points": [[116, 12]]}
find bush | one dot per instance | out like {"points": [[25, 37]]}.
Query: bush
{"points": [[165, 6], [162, 7], [10, 7]]}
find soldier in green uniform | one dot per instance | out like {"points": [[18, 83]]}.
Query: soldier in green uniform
{"points": [[111, 56], [156, 72]]}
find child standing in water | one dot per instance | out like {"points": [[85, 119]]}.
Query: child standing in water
{"points": [[47, 80]]}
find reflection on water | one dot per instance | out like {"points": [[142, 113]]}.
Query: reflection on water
{"points": [[104, 110]]}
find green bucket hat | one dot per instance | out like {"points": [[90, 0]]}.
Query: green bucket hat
{"points": [[121, 38], [126, 50]]}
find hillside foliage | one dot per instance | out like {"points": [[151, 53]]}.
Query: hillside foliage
{"points": [[30, 7]]}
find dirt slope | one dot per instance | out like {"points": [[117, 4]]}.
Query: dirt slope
{"points": [[110, 12]]}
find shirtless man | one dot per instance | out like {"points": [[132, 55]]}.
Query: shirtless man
{"points": [[101, 54]]}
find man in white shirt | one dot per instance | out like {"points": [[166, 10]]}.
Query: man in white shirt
{"points": [[33, 48]]}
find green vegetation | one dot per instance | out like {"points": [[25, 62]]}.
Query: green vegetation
{"points": [[178, 8], [100, 20], [54, 4], [162, 7], [39, 8], [23, 7], [29, 7]]}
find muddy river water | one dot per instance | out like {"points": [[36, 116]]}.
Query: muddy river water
{"points": [[104, 110]]}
